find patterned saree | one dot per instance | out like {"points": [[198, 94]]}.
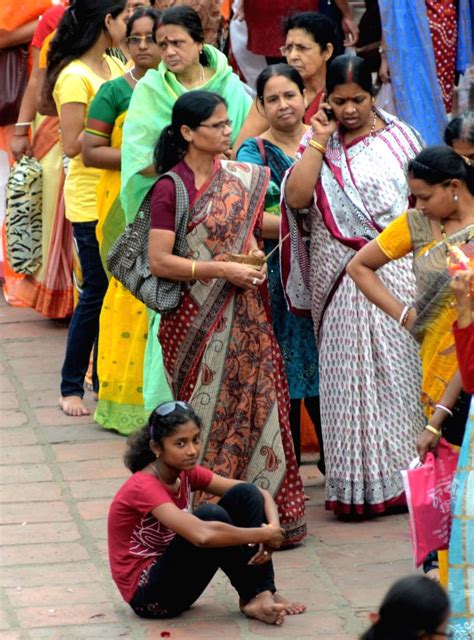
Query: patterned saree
{"points": [[221, 355]]}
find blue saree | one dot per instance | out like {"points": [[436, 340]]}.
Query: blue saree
{"points": [[294, 334], [461, 545], [411, 61]]}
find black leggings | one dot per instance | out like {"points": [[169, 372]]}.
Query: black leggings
{"points": [[180, 575], [312, 407]]}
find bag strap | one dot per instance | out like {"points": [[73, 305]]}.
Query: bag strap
{"points": [[262, 150]]}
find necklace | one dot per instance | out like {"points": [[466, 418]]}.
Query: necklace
{"points": [[132, 76], [372, 129], [201, 77]]}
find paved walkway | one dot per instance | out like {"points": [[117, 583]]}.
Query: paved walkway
{"points": [[57, 478]]}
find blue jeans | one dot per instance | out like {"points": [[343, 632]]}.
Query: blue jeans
{"points": [[84, 326]]}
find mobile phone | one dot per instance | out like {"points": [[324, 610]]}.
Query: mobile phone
{"points": [[329, 113]]}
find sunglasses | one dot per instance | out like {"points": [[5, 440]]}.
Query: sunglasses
{"points": [[167, 408]]}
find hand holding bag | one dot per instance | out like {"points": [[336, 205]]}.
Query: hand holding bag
{"points": [[428, 492], [128, 260]]}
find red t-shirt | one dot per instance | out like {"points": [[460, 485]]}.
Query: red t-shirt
{"points": [[135, 537], [47, 24], [465, 350]]}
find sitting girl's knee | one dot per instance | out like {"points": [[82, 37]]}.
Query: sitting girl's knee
{"points": [[212, 512]]}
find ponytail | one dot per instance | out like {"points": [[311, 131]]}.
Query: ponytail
{"points": [[138, 455], [78, 31], [169, 150], [189, 110]]}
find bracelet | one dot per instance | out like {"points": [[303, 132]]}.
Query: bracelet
{"points": [[404, 316], [436, 432], [23, 124], [443, 408], [193, 270], [317, 145]]}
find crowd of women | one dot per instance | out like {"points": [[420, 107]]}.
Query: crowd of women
{"points": [[312, 239]]}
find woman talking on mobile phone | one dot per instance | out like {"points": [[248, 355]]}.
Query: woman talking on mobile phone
{"points": [[348, 185]]}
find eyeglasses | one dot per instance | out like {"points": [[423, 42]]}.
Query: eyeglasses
{"points": [[176, 44], [218, 126], [137, 40], [168, 407], [285, 50]]}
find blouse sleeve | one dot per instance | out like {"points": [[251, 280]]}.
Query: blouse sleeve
{"points": [[102, 112], [163, 205], [395, 240]]}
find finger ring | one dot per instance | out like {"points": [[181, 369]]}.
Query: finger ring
{"points": [[254, 281]]}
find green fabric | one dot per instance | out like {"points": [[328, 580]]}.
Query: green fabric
{"points": [[155, 385], [111, 101], [124, 418], [150, 111]]}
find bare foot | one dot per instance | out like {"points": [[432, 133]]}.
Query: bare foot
{"points": [[291, 608], [73, 406], [264, 608]]}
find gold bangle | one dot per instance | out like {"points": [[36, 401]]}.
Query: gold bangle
{"points": [[433, 430], [317, 145], [193, 270]]}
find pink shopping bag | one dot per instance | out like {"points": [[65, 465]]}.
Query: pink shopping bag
{"points": [[428, 492]]}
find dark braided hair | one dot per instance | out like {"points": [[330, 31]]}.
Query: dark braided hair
{"points": [[138, 454], [78, 31]]}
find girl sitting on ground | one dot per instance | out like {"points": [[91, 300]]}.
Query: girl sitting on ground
{"points": [[155, 541]]}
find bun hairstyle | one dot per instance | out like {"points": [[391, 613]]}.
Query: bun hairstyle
{"points": [[438, 164], [190, 109], [78, 30], [144, 12], [460, 128], [347, 68], [315, 24], [189, 20], [413, 606], [281, 69], [138, 454]]}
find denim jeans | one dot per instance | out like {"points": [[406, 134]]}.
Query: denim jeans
{"points": [[180, 575], [84, 326]]}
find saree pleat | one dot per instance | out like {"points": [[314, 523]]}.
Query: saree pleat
{"points": [[221, 355]]}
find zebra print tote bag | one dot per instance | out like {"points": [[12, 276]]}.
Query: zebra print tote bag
{"points": [[24, 201]]}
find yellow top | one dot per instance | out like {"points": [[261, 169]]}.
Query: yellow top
{"points": [[79, 83], [395, 240]]}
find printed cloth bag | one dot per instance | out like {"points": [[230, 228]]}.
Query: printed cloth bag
{"points": [[428, 492], [23, 216]]}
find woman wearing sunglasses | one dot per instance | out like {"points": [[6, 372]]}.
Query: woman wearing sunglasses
{"points": [[219, 349], [123, 319], [162, 555]]}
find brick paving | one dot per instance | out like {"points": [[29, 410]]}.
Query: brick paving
{"points": [[57, 477]]}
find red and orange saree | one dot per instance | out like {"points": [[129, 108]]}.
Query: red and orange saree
{"points": [[221, 355]]}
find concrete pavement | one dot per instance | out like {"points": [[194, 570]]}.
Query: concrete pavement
{"points": [[57, 477]]}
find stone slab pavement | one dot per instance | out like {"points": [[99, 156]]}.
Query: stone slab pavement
{"points": [[57, 477]]}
